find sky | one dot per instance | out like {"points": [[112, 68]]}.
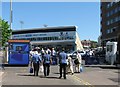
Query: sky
{"points": [[84, 15]]}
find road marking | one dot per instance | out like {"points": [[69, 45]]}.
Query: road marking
{"points": [[24, 70], [82, 81], [1, 73]]}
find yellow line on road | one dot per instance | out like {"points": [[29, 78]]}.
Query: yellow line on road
{"points": [[1, 73], [82, 81]]}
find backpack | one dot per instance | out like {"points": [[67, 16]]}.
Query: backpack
{"points": [[81, 69]]}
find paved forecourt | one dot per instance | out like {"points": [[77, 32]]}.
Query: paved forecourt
{"points": [[21, 76], [89, 77]]}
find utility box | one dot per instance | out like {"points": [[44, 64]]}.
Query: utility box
{"points": [[18, 52]]}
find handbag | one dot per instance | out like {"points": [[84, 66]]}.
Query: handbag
{"points": [[31, 70], [81, 69], [76, 61], [41, 68]]}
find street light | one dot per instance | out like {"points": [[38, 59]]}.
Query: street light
{"points": [[11, 18], [45, 25], [21, 22]]}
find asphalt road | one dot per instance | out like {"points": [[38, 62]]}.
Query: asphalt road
{"points": [[91, 76]]}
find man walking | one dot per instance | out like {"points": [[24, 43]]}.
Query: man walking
{"points": [[46, 63], [63, 63], [36, 59]]}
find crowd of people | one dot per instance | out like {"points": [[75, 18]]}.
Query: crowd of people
{"points": [[91, 57], [44, 58]]}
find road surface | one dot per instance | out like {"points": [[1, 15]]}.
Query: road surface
{"points": [[90, 77]]}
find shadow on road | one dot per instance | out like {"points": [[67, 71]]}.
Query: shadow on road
{"points": [[115, 79], [69, 73], [52, 77], [56, 73], [77, 72], [110, 67], [49, 77], [40, 76], [117, 72], [25, 75]]}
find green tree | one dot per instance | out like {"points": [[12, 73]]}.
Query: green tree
{"points": [[93, 44], [5, 31]]}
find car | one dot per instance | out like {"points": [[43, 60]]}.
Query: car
{"points": [[73, 54], [82, 53], [1, 48]]}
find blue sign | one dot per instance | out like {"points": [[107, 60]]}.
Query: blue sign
{"points": [[19, 53]]}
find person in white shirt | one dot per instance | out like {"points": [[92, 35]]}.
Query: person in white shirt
{"points": [[78, 62], [53, 54], [70, 65], [91, 53]]}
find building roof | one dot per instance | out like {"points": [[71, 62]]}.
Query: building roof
{"points": [[46, 29], [20, 41]]}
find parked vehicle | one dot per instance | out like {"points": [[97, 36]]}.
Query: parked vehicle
{"points": [[111, 52], [73, 54]]}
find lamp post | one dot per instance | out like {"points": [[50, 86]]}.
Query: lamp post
{"points": [[21, 22], [45, 25], [11, 18]]}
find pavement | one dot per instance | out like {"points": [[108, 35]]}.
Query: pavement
{"points": [[91, 76]]}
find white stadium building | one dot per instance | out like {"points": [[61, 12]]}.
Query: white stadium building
{"points": [[51, 37]]}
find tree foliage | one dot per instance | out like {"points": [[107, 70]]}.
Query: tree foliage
{"points": [[5, 31], [93, 44]]}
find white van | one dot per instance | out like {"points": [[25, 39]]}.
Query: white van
{"points": [[111, 52]]}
